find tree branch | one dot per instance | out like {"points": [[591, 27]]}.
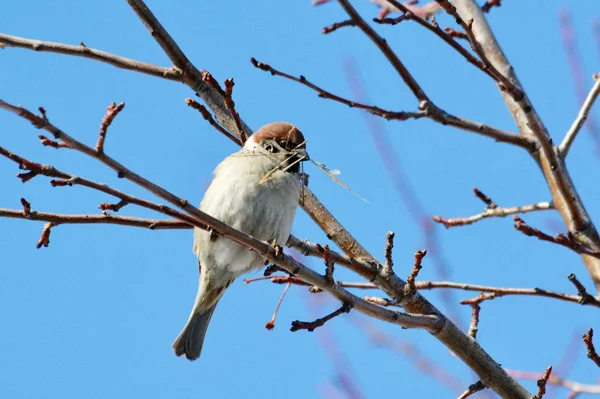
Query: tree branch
{"points": [[86, 52], [565, 146], [496, 212], [565, 197]]}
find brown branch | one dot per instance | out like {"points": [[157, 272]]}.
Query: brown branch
{"points": [[585, 297], [192, 76], [391, 56], [496, 212], [26, 207], [58, 219], [489, 4], [329, 264], [230, 104], [575, 387], [337, 25], [505, 84], [112, 111], [389, 261], [44, 240], [560, 239], [410, 280], [564, 195], [86, 52], [208, 117], [541, 383], [46, 142], [271, 324], [456, 34], [298, 325], [389, 115], [474, 324], [429, 111], [498, 292], [589, 345], [473, 389]]}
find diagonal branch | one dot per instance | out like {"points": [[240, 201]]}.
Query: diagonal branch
{"points": [[564, 195], [582, 116], [86, 52]]}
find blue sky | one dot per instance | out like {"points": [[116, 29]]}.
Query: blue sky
{"points": [[94, 314]]}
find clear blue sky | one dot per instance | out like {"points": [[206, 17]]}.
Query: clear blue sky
{"points": [[94, 315]]}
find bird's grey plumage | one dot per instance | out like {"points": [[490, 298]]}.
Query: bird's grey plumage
{"points": [[239, 197]]}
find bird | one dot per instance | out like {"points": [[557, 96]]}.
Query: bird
{"points": [[255, 190]]}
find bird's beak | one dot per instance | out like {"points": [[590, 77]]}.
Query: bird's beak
{"points": [[301, 152]]}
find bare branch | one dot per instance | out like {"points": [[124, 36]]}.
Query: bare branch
{"points": [[428, 111], [45, 237], [474, 325], [389, 245], [564, 196], [86, 52], [473, 389], [575, 387], [312, 325], [112, 111], [271, 324], [337, 25], [230, 104], [582, 116], [494, 213], [389, 115], [498, 292], [541, 383], [584, 297], [208, 117], [105, 218], [589, 345], [560, 239], [489, 4]]}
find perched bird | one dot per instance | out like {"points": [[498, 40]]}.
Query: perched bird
{"points": [[255, 190]]}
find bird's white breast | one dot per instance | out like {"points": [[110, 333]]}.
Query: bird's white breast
{"points": [[237, 197]]}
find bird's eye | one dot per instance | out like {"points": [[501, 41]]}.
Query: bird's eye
{"points": [[269, 147], [283, 144]]}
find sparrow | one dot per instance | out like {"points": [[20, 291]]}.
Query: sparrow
{"points": [[255, 190]]}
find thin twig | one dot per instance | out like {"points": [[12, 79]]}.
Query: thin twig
{"points": [[585, 297], [230, 104], [493, 213], [473, 389], [541, 383], [86, 52], [579, 121], [389, 261], [474, 324], [44, 240], [271, 324], [337, 25], [208, 117], [298, 325], [560, 239], [489, 4], [26, 207], [589, 345], [389, 115], [112, 111], [575, 387], [410, 280], [107, 218]]}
